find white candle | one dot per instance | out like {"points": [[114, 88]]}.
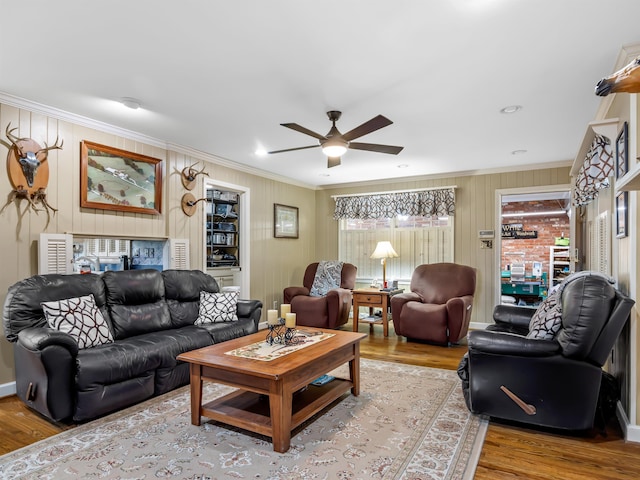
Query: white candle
{"points": [[290, 320], [272, 317], [284, 309]]}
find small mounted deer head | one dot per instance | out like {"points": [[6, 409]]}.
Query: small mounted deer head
{"points": [[189, 175], [189, 203]]}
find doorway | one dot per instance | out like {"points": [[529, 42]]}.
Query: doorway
{"points": [[226, 235], [534, 243]]}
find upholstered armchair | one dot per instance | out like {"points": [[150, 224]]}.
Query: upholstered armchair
{"points": [[328, 311], [543, 367], [438, 307]]}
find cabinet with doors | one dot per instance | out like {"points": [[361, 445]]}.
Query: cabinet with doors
{"points": [[559, 264], [222, 228]]}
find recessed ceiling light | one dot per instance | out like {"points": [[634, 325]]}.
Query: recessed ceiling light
{"points": [[131, 103], [261, 152], [403, 165], [511, 109], [518, 152]]}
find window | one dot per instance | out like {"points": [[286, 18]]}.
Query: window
{"points": [[416, 239], [418, 223]]}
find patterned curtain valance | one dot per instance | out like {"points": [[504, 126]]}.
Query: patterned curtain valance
{"points": [[595, 171], [439, 202]]}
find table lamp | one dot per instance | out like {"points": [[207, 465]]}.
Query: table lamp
{"points": [[384, 250]]}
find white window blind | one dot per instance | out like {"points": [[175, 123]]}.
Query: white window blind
{"points": [[417, 240]]}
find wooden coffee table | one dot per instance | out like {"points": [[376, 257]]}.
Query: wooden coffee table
{"points": [[270, 399]]}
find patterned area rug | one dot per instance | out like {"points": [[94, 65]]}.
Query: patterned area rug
{"points": [[408, 423]]}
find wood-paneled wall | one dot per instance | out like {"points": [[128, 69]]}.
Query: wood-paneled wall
{"points": [[475, 210]]}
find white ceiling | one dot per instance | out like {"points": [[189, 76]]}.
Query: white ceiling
{"points": [[220, 76]]}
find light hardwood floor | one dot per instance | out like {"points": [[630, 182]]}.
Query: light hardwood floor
{"points": [[509, 452]]}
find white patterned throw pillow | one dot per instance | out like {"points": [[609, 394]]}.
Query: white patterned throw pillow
{"points": [[547, 319], [81, 318], [217, 307]]}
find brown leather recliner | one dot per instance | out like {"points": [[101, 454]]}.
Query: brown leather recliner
{"points": [[329, 311], [438, 307]]}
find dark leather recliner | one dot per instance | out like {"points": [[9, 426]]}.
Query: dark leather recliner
{"points": [[551, 383], [330, 311], [438, 307]]}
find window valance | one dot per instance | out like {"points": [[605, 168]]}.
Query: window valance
{"points": [[594, 173], [436, 202]]}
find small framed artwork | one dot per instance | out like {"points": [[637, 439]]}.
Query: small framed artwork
{"points": [[622, 217], [622, 156], [114, 179], [285, 221]]}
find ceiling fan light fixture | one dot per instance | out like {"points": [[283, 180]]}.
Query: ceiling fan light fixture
{"points": [[334, 150], [334, 147]]}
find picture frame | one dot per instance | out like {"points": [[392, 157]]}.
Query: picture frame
{"points": [[622, 215], [285, 221], [117, 180], [622, 149]]}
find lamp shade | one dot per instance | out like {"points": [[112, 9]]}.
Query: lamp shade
{"points": [[384, 250]]}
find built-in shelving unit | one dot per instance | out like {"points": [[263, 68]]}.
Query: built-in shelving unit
{"points": [[559, 264], [222, 228]]}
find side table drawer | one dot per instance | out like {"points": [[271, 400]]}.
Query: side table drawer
{"points": [[368, 299]]}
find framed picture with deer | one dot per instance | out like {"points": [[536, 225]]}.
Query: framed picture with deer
{"points": [[114, 179]]}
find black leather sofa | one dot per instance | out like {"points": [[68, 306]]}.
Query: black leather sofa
{"points": [[552, 382], [151, 315]]}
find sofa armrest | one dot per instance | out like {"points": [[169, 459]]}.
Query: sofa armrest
{"points": [[247, 308], [459, 316], [339, 305], [290, 292], [45, 371], [502, 343], [512, 316], [38, 338], [398, 301], [250, 309]]}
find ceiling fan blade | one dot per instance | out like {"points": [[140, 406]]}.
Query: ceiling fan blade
{"points": [[333, 162], [372, 125], [292, 149], [301, 129], [375, 147]]}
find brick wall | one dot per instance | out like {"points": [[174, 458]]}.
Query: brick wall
{"points": [[534, 249]]}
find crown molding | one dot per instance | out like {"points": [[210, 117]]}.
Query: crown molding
{"points": [[87, 122], [450, 175], [78, 120], [225, 162]]}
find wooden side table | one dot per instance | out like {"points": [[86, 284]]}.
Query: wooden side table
{"points": [[373, 297]]}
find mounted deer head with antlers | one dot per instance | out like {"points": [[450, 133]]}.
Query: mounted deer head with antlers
{"points": [[27, 156], [189, 175], [28, 170]]}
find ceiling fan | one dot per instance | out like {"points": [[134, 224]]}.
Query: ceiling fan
{"points": [[334, 144]]}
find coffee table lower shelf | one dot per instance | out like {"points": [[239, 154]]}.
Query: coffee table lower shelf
{"points": [[250, 411]]}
